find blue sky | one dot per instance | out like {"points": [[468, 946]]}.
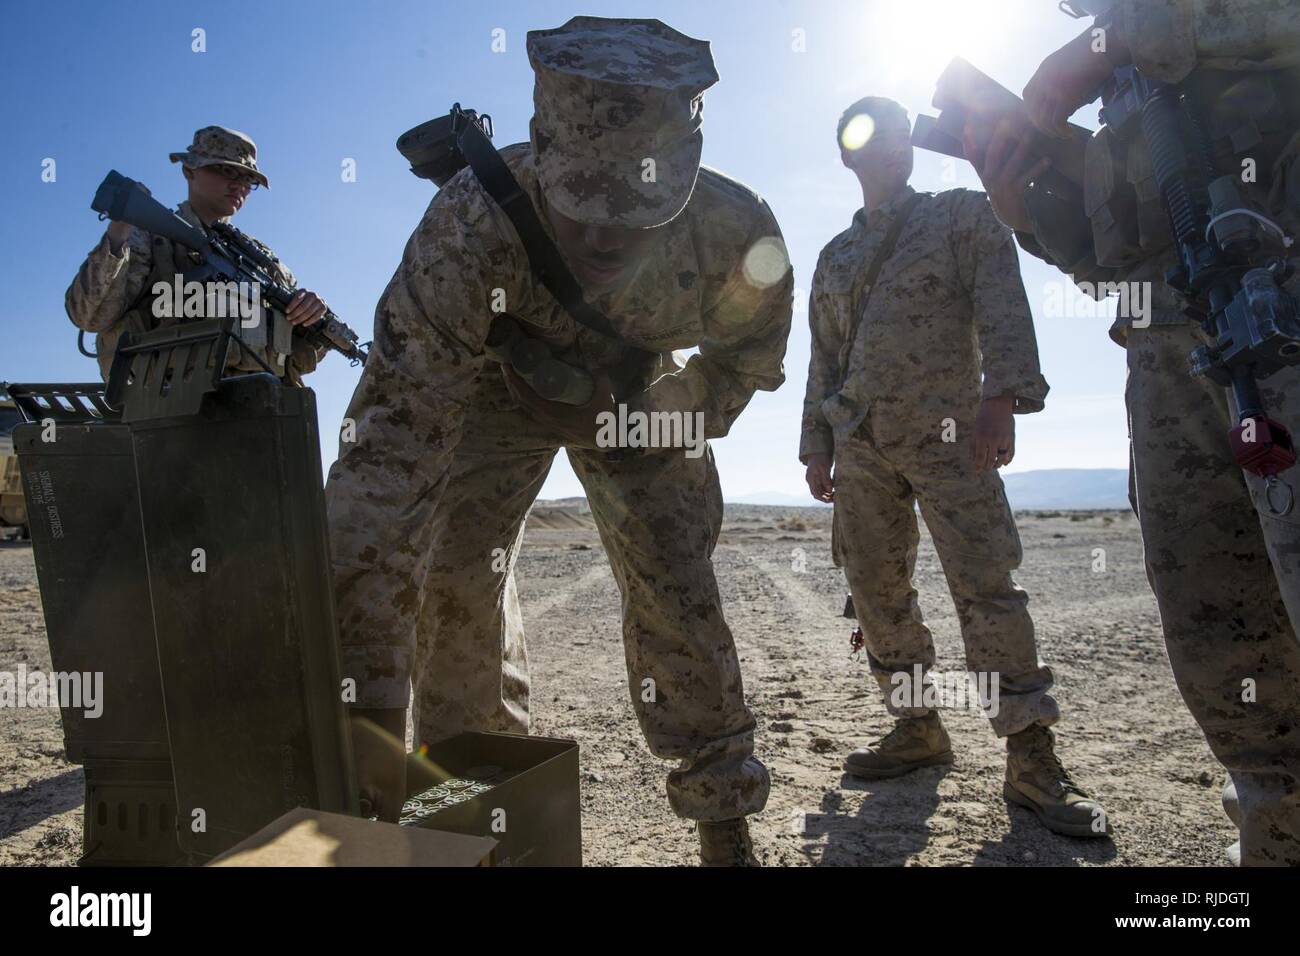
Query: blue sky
{"points": [[95, 86]]}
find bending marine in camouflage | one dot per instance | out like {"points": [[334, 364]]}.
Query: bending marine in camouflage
{"points": [[912, 385], [113, 292], [427, 505], [1224, 568]]}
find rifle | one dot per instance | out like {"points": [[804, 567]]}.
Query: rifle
{"points": [[222, 255], [1232, 262]]}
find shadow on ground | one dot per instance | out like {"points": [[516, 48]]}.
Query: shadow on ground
{"points": [[29, 805]]}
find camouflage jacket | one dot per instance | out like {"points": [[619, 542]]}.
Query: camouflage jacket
{"points": [[946, 323], [111, 295], [1169, 38], [716, 279]]}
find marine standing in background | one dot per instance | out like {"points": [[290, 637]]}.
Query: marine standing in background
{"points": [[113, 292], [427, 506], [1225, 569], [922, 351]]}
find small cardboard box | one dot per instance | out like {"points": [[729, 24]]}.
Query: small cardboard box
{"points": [[521, 791], [304, 837]]}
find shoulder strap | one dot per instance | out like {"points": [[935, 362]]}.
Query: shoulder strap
{"points": [[543, 257], [889, 243], [883, 253]]}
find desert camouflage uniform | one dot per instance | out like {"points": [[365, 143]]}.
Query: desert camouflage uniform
{"points": [[111, 294], [947, 305], [427, 506], [1208, 533]]}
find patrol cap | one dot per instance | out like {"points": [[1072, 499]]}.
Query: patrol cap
{"points": [[618, 105], [218, 146]]}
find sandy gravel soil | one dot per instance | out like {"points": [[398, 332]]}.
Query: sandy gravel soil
{"points": [[1124, 731]]}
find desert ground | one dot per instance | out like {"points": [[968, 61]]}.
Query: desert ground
{"points": [[1124, 731]]}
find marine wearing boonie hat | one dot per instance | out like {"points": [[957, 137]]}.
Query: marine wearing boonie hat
{"points": [[609, 96], [219, 146]]}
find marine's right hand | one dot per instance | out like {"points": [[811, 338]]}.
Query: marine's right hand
{"points": [[118, 234], [379, 751], [1006, 168], [819, 479]]}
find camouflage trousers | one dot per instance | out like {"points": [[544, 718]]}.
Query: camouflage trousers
{"points": [[1225, 571], [658, 515], [882, 472]]}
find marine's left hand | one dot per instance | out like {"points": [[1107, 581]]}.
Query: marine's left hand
{"points": [[995, 433], [305, 308], [1067, 80], [576, 424]]}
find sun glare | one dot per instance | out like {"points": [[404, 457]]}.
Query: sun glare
{"points": [[857, 131], [922, 36]]}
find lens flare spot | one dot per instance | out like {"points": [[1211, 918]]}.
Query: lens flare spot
{"points": [[766, 262], [857, 131]]}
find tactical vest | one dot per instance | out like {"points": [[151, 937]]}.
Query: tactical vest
{"points": [[1250, 122], [170, 260]]}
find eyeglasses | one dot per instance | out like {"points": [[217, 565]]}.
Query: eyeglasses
{"points": [[236, 175]]}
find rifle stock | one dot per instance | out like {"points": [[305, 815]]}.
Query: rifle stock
{"points": [[122, 199]]}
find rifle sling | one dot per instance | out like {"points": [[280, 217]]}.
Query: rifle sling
{"points": [[543, 257], [883, 254]]}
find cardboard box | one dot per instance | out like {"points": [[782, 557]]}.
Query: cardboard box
{"points": [[521, 791], [304, 837]]}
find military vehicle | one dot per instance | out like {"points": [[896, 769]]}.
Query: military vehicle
{"points": [[13, 509]]}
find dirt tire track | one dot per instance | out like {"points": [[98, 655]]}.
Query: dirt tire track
{"points": [[1125, 732]]}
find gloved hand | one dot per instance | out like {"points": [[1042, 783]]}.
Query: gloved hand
{"points": [[575, 424]]}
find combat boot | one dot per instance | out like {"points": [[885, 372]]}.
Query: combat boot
{"points": [[1232, 807], [1037, 781], [914, 742], [726, 843]]}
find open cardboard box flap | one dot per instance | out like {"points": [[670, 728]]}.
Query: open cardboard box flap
{"points": [[304, 837]]}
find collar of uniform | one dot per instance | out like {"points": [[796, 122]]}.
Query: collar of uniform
{"points": [[186, 212], [866, 220]]}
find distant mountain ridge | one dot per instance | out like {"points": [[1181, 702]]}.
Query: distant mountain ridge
{"points": [[1051, 488]]}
